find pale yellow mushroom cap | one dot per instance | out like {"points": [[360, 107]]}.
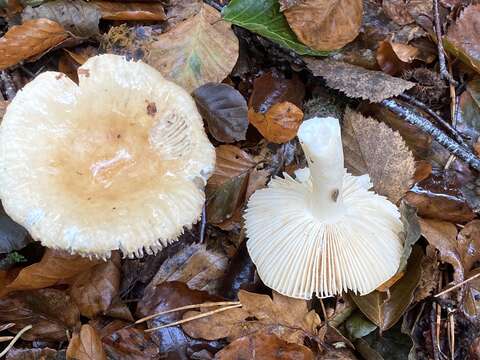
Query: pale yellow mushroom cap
{"points": [[324, 232], [116, 162]]}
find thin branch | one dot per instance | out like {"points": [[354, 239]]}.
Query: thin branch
{"points": [[433, 315], [14, 340], [458, 285], [414, 118], [441, 52]]}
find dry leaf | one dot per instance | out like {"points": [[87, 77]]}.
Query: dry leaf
{"points": [[3, 108], [371, 147], [94, 290], [397, 10], [34, 354], [356, 81], [194, 265], [285, 4], [180, 10], [33, 37], [325, 25], [264, 346], [86, 345], [430, 275], [393, 58], [197, 51], [133, 11]]}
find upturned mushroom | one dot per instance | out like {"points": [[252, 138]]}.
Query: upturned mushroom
{"points": [[118, 162], [324, 232]]}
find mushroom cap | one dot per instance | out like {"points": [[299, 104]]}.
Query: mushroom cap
{"points": [[117, 162]]}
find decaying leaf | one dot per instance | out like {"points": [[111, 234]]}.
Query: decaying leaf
{"points": [[131, 11], [94, 290], [264, 346], [78, 17], [224, 109], [180, 10], [86, 345], [33, 37], [34, 354], [397, 10], [51, 312], [3, 108], [197, 51], [194, 265], [430, 274], [285, 4], [371, 147], [393, 58], [285, 317], [325, 25], [462, 37], [356, 81]]}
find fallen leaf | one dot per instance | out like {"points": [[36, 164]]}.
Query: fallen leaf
{"points": [[94, 290], [372, 148], [86, 345], [325, 25], [384, 311], [469, 123], [51, 313], [265, 19], [180, 10], [470, 296], [68, 66], [78, 17], [224, 109], [397, 11], [119, 310], [55, 267], [12, 235], [430, 275], [285, 4], [358, 82], [34, 354], [3, 108], [132, 11], [264, 346], [32, 38], [462, 37], [195, 266], [197, 51], [393, 58], [358, 326]]}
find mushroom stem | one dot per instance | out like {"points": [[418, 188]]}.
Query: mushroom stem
{"points": [[322, 144]]}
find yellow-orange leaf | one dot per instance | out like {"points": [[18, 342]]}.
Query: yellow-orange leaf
{"points": [[86, 345], [131, 11]]}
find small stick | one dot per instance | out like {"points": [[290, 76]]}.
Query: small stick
{"points": [[187, 307], [14, 340], [199, 316], [444, 74], [414, 118], [451, 333], [203, 224], [5, 338], [458, 285]]}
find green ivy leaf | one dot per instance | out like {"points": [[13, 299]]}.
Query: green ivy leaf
{"points": [[264, 18]]}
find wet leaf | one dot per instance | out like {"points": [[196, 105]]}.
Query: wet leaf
{"points": [[195, 266], [197, 51], [34, 354], [358, 82], [358, 326], [94, 290], [373, 148], [55, 267], [224, 109], [78, 17], [265, 18], [264, 346], [86, 345], [469, 122], [12, 235], [462, 37], [50, 311], [325, 25], [134, 11], [393, 58], [384, 311], [33, 37]]}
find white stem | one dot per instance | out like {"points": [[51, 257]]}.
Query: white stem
{"points": [[321, 141]]}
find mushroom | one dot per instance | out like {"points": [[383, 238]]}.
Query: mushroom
{"points": [[323, 232], [118, 162]]}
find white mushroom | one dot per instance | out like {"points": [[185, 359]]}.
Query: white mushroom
{"points": [[324, 232], [117, 162]]}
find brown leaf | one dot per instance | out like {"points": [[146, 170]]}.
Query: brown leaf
{"points": [[32, 38], [94, 290], [393, 58], [462, 37], [180, 10], [285, 4], [133, 11], [325, 24], [34, 354], [3, 108], [194, 265], [397, 10], [430, 275], [55, 267], [199, 50], [373, 148], [264, 346], [68, 66], [86, 345], [356, 81], [50, 311]]}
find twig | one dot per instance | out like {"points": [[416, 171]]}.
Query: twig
{"points": [[5, 338], [433, 316], [458, 285], [187, 307], [203, 224], [195, 317], [414, 118], [444, 74], [455, 134], [14, 340], [451, 332], [8, 85]]}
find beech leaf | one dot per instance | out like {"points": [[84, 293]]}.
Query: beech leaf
{"points": [[224, 109], [86, 345], [130, 12], [371, 147], [356, 81]]}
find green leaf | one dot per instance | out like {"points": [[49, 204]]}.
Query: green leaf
{"points": [[264, 18]]}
